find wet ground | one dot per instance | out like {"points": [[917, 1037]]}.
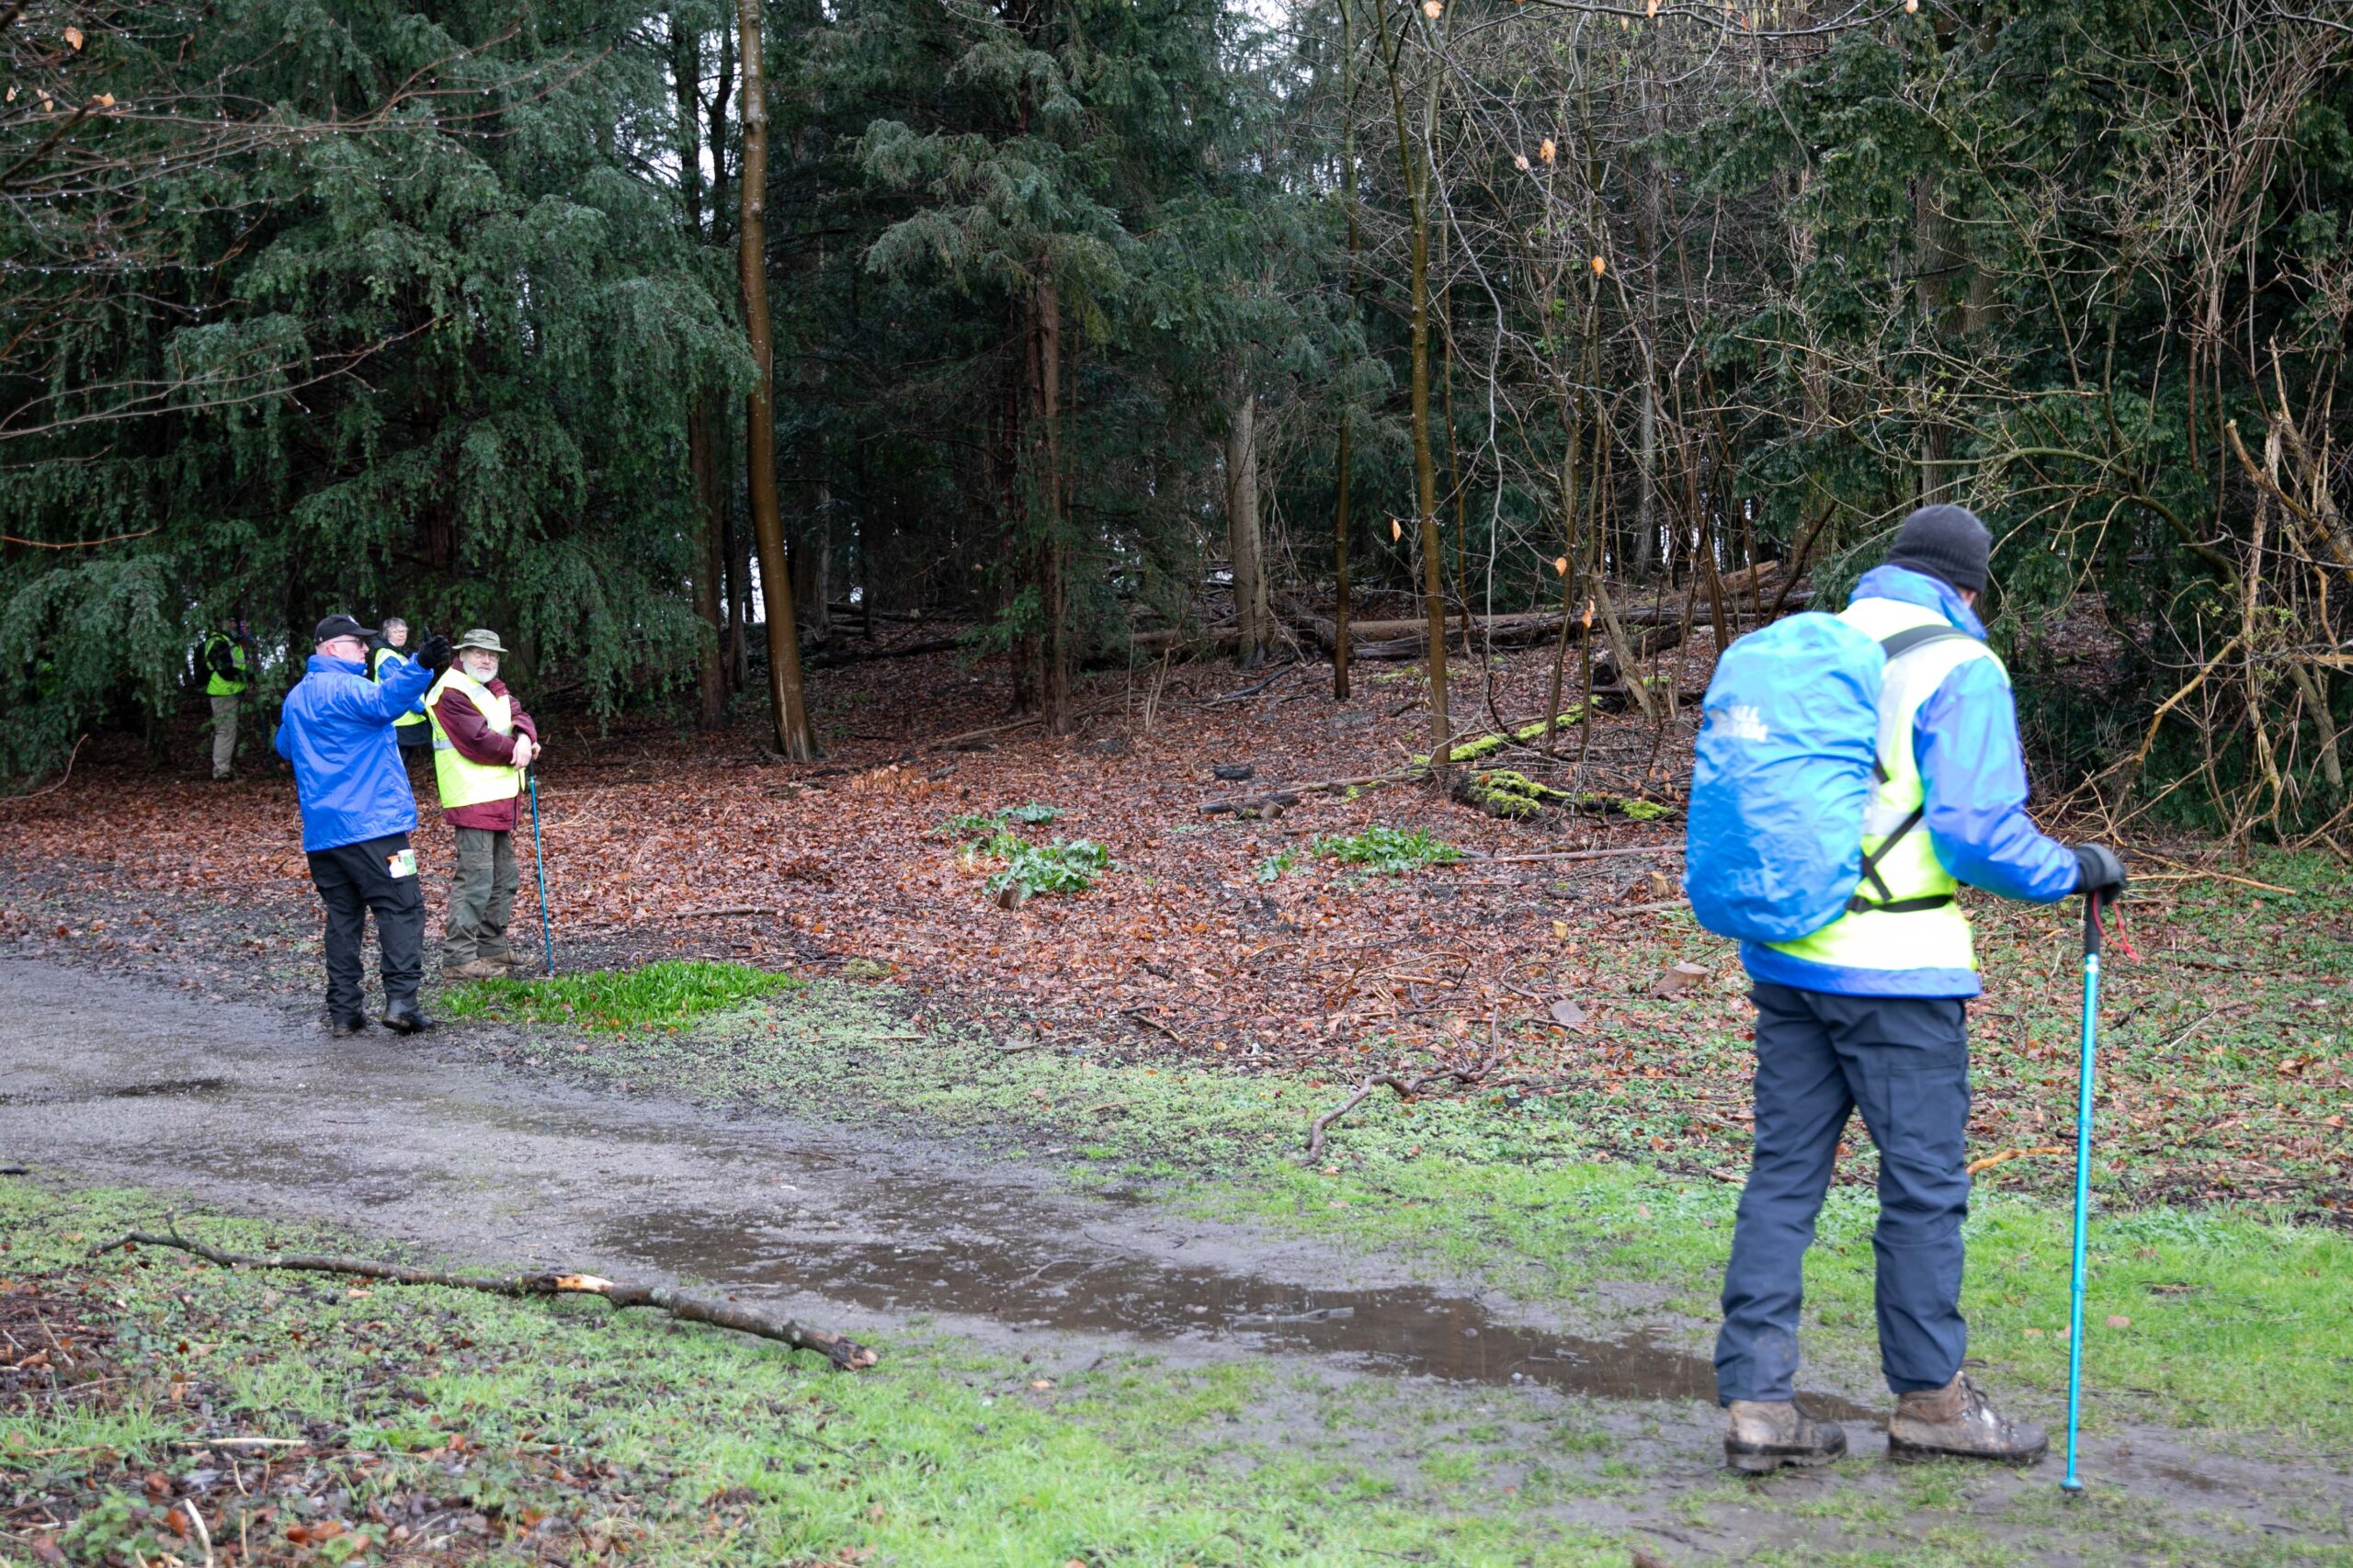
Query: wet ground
{"points": [[246, 1109]]}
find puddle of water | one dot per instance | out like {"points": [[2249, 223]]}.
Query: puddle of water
{"points": [[204, 1087], [953, 1269]]}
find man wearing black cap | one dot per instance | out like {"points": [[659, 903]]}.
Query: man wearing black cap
{"points": [[1869, 1014], [358, 812]]}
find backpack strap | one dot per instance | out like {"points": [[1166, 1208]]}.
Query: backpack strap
{"points": [[1895, 647]]}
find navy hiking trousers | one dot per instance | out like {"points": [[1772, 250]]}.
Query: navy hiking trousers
{"points": [[1903, 1062]]}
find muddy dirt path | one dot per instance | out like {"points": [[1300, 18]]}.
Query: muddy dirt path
{"points": [[110, 1079]]}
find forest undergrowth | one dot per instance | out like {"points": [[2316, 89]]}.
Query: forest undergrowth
{"points": [[1207, 939]]}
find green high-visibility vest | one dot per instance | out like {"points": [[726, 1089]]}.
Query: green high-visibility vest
{"points": [[1933, 937], [376, 667], [217, 684], [462, 781]]}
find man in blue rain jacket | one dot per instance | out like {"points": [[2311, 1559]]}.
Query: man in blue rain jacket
{"points": [[1869, 1014], [358, 812]]}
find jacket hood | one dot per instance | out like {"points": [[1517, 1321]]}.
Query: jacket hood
{"points": [[318, 663], [1907, 587]]}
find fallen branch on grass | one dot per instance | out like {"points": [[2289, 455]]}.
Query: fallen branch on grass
{"points": [[1378, 1080], [844, 1352], [1990, 1161]]}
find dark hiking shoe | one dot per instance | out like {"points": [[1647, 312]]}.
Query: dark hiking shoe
{"points": [[404, 1016], [344, 1029], [1765, 1435], [1956, 1421]]}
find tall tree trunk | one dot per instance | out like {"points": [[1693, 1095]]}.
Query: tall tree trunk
{"points": [[710, 674], [702, 458], [1252, 607], [1411, 152], [1340, 521], [812, 554], [733, 544], [1044, 309], [786, 705]]}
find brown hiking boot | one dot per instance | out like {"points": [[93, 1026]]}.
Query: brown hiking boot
{"points": [[1956, 1421], [1765, 1435], [474, 969]]}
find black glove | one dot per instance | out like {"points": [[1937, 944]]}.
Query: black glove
{"points": [[2100, 871], [435, 655]]}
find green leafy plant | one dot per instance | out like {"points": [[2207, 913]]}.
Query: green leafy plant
{"points": [[1061, 866], [1391, 850], [974, 826], [1274, 866], [668, 993]]}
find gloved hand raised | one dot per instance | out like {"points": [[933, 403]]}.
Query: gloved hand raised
{"points": [[434, 654], [2100, 870]]}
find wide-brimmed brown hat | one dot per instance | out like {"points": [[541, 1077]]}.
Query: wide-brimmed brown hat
{"points": [[484, 638]]}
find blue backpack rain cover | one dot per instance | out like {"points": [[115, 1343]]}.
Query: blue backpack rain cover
{"points": [[1788, 754]]}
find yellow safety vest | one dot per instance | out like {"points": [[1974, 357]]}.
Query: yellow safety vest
{"points": [[394, 656], [1930, 931], [462, 781], [218, 684]]}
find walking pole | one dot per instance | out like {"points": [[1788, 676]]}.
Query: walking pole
{"points": [[539, 864], [2083, 1181]]}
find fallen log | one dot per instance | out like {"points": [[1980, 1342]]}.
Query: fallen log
{"points": [[845, 1353], [1289, 794]]}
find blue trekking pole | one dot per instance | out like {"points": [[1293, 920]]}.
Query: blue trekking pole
{"points": [[539, 864], [2083, 1180]]}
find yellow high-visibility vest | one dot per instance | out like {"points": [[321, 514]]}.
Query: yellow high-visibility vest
{"points": [[218, 684], [1936, 936], [394, 657], [462, 781]]}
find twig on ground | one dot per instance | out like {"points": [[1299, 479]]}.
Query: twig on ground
{"points": [[1148, 1021], [2212, 877], [194, 1512], [1405, 1090], [719, 910], [842, 1351], [52, 788], [1251, 691], [1990, 1161], [1623, 849]]}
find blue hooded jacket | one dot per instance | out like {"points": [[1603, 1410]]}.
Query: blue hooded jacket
{"points": [[1965, 738], [336, 729]]}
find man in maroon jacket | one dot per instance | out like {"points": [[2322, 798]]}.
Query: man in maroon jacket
{"points": [[482, 741]]}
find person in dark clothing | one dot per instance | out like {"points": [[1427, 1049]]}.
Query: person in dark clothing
{"points": [[358, 812], [1869, 1015], [228, 661], [482, 741]]}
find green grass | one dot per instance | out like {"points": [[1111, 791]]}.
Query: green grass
{"points": [[671, 993], [1562, 1199], [560, 1430], [690, 1445]]}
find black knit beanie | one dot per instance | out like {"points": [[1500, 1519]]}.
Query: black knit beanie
{"points": [[1945, 541]]}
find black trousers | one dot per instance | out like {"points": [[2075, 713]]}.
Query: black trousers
{"points": [[378, 874]]}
